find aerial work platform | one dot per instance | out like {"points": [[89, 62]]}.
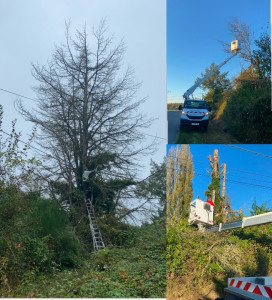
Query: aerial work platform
{"points": [[244, 222]]}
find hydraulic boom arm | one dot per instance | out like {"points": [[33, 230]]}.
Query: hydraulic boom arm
{"points": [[245, 222], [234, 50]]}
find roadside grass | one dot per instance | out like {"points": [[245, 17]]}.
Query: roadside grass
{"points": [[215, 134]]}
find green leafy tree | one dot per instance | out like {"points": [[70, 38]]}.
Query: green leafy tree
{"points": [[17, 168], [262, 57], [258, 209], [154, 187], [179, 189], [215, 85]]}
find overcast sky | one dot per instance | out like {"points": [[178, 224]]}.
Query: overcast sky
{"points": [[30, 29], [194, 29]]}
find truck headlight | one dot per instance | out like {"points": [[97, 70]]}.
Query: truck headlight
{"points": [[183, 112], [206, 113]]}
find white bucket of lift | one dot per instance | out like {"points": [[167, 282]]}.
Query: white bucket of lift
{"points": [[201, 212], [234, 45]]}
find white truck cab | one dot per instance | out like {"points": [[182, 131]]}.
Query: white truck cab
{"points": [[194, 113]]}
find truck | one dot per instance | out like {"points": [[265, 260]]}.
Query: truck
{"points": [[195, 112], [255, 288]]}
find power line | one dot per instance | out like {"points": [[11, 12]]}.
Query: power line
{"points": [[235, 181], [155, 136], [26, 143], [250, 151], [249, 178], [241, 182], [16, 94], [233, 169], [50, 156]]}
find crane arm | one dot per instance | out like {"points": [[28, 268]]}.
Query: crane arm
{"points": [[244, 222], [197, 84]]}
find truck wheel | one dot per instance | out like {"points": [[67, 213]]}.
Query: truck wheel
{"points": [[205, 127], [181, 127]]}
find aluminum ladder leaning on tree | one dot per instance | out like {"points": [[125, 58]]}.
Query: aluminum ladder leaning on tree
{"points": [[96, 234]]}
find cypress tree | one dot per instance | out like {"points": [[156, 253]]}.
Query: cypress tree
{"points": [[179, 182]]}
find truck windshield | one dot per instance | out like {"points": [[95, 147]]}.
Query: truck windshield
{"points": [[195, 104]]}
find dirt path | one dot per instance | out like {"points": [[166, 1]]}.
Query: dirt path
{"points": [[214, 135]]}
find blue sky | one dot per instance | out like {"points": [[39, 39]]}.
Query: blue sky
{"points": [[242, 166], [194, 28]]}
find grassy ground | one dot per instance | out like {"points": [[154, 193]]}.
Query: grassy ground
{"points": [[115, 273], [137, 271], [215, 134]]}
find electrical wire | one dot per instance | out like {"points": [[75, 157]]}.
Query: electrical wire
{"points": [[231, 175], [250, 151], [48, 155], [10, 92], [233, 169], [16, 94], [235, 181]]}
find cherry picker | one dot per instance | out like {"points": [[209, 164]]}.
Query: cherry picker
{"points": [[201, 214], [195, 111]]}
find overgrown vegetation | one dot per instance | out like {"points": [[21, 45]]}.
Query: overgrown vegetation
{"points": [[172, 106], [251, 105], [46, 252], [41, 256], [204, 261], [198, 262]]}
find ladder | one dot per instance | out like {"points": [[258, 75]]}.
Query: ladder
{"points": [[97, 237]]}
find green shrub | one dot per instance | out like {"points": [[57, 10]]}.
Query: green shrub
{"points": [[248, 114], [35, 237]]}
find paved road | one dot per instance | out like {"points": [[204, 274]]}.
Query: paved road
{"points": [[173, 126], [194, 135]]}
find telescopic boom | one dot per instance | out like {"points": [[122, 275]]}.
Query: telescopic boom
{"points": [[234, 49]]}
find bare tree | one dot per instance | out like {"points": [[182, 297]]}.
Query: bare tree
{"points": [[241, 31], [87, 113]]}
